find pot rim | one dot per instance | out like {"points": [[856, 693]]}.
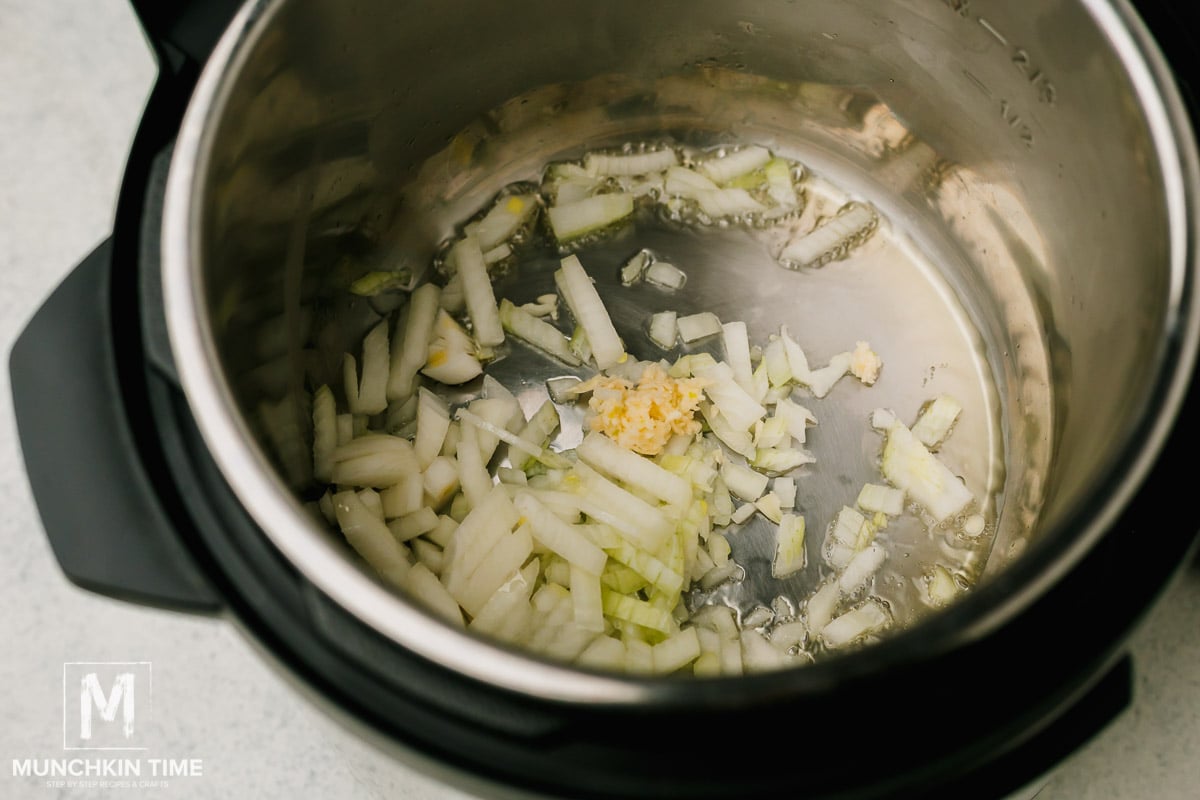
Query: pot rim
{"points": [[279, 514]]}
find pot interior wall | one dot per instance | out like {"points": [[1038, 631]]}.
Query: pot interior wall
{"points": [[1005, 144]]}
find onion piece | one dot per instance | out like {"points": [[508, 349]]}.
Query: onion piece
{"points": [[507, 602], [631, 273], [820, 381], [785, 487], [866, 619], [536, 332], [572, 220], [936, 420], [737, 353], [698, 326], [507, 554], [450, 358], [433, 420], [370, 538], [547, 457], [848, 533], [493, 518], [589, 311], [833, 238], [873, 497], [508, 215], [602, 453], [663, 329], [604, 653], [908, 465], [668, 276], [743, 481], [676, 652], [734, 402], [477, 290], [768, 505], [405, 497], [410, 342], [723, 169], [325, 433], [425, 587], [558, 536], [720, 203], [861, 569], [790, 554], [639, 612], [627, 164], [687, 183]]}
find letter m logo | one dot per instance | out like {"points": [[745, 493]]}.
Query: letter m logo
{"points": [[101, 702], [91, 695]]}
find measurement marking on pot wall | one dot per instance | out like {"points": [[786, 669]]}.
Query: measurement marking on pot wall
{"points": [[1019, 56]]}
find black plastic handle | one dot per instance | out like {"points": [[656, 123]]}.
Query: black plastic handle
{"points": [[183, 28], [106, 523]]}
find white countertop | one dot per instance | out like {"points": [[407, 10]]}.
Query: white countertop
{"points": [[73, 78]]}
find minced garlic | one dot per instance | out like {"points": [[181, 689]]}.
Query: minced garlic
{"points": [[644, 417]]}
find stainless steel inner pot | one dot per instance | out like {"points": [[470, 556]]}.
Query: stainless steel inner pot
{"points": [[1035, 167]]}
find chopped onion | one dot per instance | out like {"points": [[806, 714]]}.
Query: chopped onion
{"points": [[405, 497], [663, 329], [725, 168], [558, 536], [936, 420], [572, 220], [848, 533], [907, 464], [607, 456], [425, 587], [737, 353], [604, 653], [477, 289], [790, 554], [785, 487], [866, 619], [491, 520], [861, 569], [508, 215], [631, 273], [687, 183], [410, 343], [668, 276], [370, 538], [728, 203], [325, 433], [410, 526], [536, 332], [698, 326], [589, 311], [630, 164], [768, 504], [873, 497], [820, 381], [433, 420], [676, 652], [561, 390], [742, 513], [832, 238], [743, 481], [450, 358]]}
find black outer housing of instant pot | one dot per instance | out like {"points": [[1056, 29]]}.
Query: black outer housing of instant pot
{"points": [[149, 517]]}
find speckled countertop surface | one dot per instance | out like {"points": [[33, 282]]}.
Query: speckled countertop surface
{"points": [[73, 78]]}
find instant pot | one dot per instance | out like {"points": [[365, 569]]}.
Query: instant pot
{"points": [[281, 136]]}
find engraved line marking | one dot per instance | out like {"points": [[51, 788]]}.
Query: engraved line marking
{"points": [[987, 26], [978, 83]]}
